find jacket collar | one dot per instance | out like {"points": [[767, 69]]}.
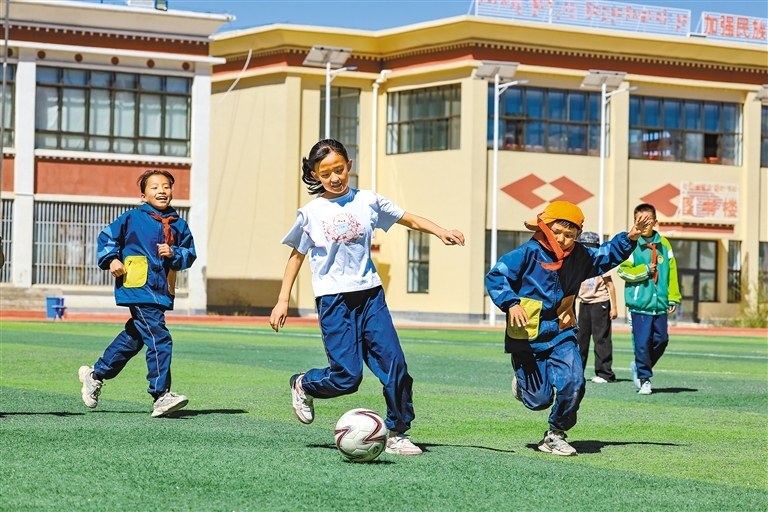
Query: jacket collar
{"points": [[151, 209]]}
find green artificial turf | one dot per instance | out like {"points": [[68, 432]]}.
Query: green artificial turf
{"points": [[697, 443]]}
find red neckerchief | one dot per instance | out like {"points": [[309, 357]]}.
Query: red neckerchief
{"points": [[166, 221], [547, 240], [653, 260]]}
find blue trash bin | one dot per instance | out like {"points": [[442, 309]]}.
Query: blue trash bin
{"points": [[54, 308]]}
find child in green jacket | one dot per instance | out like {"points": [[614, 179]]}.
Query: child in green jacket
{"points": [[651, 291]]}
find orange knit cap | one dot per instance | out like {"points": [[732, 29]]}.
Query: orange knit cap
{"points": [[558, 210]]}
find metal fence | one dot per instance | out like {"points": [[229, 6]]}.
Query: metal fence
{"points": [[65, 243], [7, 229]]}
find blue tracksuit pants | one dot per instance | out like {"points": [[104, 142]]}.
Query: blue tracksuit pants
{"points": [[357, 327], [146, 327], [539, 374], [650, 336]]}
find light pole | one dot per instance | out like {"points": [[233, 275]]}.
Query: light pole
{"points": [[501, 73], [604, 80], [329, 57]]}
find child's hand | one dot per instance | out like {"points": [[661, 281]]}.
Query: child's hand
{"points": [[452, 237], [643, 221], [164, 250], [116, 268], [613, 314], [278, 316], [517, 316]]}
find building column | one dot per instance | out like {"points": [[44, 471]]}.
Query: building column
{"points": [[24, 170], [749, 209], [198, 211]]}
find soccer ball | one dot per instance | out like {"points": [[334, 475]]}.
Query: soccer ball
{"points": [[360, 435]]}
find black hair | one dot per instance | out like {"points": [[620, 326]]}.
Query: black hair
{"points": [[316, 155], [645, 207], [568, 224], [142, 181]]}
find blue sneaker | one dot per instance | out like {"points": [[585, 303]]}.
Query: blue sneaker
{"points": [[633, 367]]}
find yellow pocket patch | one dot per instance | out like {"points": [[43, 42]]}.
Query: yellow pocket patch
{"points": [[136, 269], [529, 331], [172, 282]]}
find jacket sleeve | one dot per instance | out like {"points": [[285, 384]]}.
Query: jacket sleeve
{"points": [[632, 273], [111, 242], [674, 286], [612, 253], [184, 252], [504, 278]]}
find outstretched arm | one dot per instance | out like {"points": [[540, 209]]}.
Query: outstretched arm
{"points": [[280, 311], [448, 236]]}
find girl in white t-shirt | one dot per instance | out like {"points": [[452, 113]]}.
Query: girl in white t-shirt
{"points": [[336, 229]]}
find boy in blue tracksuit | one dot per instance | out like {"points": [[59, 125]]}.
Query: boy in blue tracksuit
{"points": [[143, 249], [536, 285]]}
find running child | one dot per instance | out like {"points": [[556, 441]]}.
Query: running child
{"points": [[143, 249], [536, 285], [650, 292], [336, 229]]}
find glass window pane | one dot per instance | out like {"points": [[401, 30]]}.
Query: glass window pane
{"points": [[419, 104], [635, 143], [731, 145], [764, 121], [101, 79], [712, 116], [150, 116], [693, 115], [74, 143], [686, 252], [177, 85], [75, 77], [673, 113], [652, 112], [73, 110], [456, 101], [404, 113], [694, 146], [149, 147], [764, 152], [577, 139], [513, 101], [672, 146], [513, 136], [418, 136], [151, 83], [123, 146], [577, 106], [100, 144], [178, 149], [557, 107], [707, 287], [731, 118], [125, 115], [734, 255], [594, 140], [47, 108], [100, 112], [635, 110], [455, 132], [432, 99], [125, 81], [594, 107], [557, 140], [534, 104], [392, 107], [652, 144], [534, 136], [404, 136], [46, 141], [708, 255], [9, 108], [48, 75]]}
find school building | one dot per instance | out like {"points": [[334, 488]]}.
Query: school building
{"points": [[691, 138], [96, 94]]}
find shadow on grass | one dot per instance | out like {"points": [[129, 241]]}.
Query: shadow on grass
{"points": [[333, 447], [597, 446], [191, 413], [674, 390], [59, 414], [427, 446]]}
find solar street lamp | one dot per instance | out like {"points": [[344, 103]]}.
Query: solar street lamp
{"points": [[329, 57], [762, 94], [605, 81], [501, 74]]}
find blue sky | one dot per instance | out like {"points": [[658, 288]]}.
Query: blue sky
{"points": [[379, 14]]}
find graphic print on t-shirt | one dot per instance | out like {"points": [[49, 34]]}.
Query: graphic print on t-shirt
{"points": [[343, 228]]}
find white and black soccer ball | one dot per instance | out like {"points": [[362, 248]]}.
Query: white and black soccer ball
{"points": [[361, 435]]}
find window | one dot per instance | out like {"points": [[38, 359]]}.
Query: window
{"points": [[418, 262], [734, 271], [102, 111], [7, 230], [345, 121], [65, 248], [10, 78], [505, 242], [684, 130], [762, 261], [697, 258], [424, 119], [547, 121], [764, 136]]}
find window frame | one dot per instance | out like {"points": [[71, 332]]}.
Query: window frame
{"points": [[640, 131], [114, 90], [418, 244], [420, 124], [734, 271]]}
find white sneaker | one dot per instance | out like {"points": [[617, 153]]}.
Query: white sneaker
{"points": [[554, 442], [167, 403], [599, 380], [635, 379], [401, 444], [91, 386], [515, 389], [645, 388], [303, 406]]}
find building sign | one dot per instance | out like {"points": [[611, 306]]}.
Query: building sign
{"points": [[709, 202], [593, 14], [730, 27]]}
